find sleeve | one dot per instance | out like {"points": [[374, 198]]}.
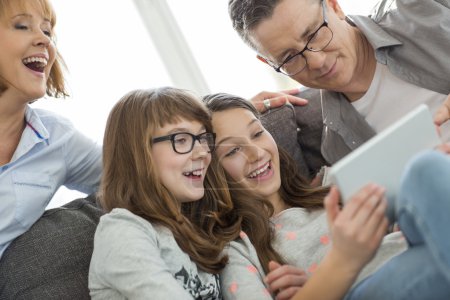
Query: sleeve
{"points": [[243, 276], [84, 163], [127, 260], [423, 26], [310, 124]]}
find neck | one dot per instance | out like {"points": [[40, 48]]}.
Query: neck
{"points": [[12, 124], [278, 203], [365, 69], [12, 115]]}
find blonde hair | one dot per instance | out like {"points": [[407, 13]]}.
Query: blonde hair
{"points": [[130, 180], [56, 83]]}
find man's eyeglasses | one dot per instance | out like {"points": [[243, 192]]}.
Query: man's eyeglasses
{"points": [[183, 142], [318, 41]]}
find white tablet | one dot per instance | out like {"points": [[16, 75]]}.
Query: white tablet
{"points": [[382, 159]]}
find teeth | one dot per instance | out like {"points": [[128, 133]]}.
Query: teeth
{"points": [[195, 173], [29, 60], [257, 172]]}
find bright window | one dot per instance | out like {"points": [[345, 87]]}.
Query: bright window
{"points": [[108, 53]]}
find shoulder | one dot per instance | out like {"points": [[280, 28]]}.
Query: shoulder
{"points": [[79, 150], [120, 220], [121, 231], [243, 276], [120, 226], [50, 119], [50, 125], [409, 7], [401, 18], [242, 244], [242, 249]]}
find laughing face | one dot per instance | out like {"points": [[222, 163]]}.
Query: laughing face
{"points": [[182, 174], [27, 53], [247, 151]]}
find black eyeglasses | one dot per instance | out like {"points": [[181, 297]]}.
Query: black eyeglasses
{"points": [[183, 142], [318, 41]]}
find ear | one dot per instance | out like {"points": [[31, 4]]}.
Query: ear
{"points": [[334, 6]]}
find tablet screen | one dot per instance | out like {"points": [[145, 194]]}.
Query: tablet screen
{"points": [[382, 159]]}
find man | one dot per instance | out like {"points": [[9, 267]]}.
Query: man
{"points": [[380, 66]]}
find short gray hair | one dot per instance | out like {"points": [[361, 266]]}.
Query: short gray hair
{"points": [[245, 15]]}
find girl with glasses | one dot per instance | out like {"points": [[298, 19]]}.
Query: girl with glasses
{"points": [[285, 222], [165, 196]]}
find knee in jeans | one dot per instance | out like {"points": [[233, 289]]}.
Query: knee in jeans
{"points": [[425, 169]]}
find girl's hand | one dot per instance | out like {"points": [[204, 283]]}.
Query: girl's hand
{"points": [[284, 280], [359, 227], [276, 99]]}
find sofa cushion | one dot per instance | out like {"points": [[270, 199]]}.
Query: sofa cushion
{"points": [[51, 260]]}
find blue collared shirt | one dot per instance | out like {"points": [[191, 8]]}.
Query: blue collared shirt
{"points": [[50, 153]]}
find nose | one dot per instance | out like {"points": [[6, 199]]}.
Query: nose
{"points": [[41, 39], [200, 151], [253, 152], [315, 60]]}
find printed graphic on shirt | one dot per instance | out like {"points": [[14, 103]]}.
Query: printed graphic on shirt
{"points": [[193, 284]]}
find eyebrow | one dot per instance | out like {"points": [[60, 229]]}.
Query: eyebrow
{"points": [[183, 129], [231, 137], [23, 15], [29, 17], [309, 29]]}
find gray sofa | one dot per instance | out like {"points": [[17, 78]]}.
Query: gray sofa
{"points": [[51, 260]]}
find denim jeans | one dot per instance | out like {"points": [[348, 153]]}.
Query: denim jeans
{"points": [[423, 214]]}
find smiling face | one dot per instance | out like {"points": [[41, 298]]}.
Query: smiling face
{"points": [[182, 174], [286, 32], [27, 52], [247, 151]]}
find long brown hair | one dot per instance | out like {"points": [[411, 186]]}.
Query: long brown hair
{"points": [[130, 180], [56, 83], [254, 211]]}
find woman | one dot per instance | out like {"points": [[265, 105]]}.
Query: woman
{"points": [[295, 229], [162, 237], [39, 151]]}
